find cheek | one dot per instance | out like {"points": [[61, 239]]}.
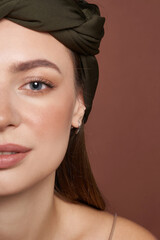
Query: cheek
{"points": [[50, 125], [46, 129], [52, 120]]}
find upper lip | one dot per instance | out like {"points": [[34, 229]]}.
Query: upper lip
{"points": [[10, 147]]}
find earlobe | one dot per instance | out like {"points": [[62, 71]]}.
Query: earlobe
{"points": [[78, 114]]}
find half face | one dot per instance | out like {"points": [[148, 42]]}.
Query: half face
{"points": [[38, 103]]}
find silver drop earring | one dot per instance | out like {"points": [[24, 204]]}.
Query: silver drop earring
{"points": [[79, 126]]}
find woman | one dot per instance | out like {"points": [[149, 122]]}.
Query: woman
{"points": [[48, 80]]}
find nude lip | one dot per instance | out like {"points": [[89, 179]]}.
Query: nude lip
{"points": [[10, 147], [12, 159], [7, 161]]}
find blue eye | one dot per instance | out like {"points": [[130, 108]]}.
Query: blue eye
{"points": [[38, 85]]}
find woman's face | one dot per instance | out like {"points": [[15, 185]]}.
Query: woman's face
{"points": [[33, 114]]}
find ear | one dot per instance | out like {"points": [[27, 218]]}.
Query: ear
{"points": [[79, 111]]}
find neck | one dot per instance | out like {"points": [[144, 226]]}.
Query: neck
{"points": [[29, 214]]}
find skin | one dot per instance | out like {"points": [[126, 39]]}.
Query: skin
{"points": [[29, 209]]}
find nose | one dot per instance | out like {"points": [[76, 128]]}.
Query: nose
{"points": [[9, 116]]}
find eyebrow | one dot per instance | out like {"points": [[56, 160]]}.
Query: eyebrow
{"points": [[25, 66]]}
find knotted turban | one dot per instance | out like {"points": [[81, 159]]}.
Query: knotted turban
{"points": [[78, 26]]}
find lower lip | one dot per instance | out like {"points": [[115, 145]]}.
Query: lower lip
{"points": [[7, 161]]}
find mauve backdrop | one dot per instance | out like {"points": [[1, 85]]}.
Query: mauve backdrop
{"points": [[123, 130]]}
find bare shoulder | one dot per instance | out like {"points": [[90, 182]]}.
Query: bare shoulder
{"points": [[86, 223], [126, 229], [98, 225]]}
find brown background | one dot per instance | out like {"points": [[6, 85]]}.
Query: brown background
{"points": [[123, 131]]}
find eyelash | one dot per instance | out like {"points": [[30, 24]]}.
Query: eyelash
{"points": [[40, 80]]}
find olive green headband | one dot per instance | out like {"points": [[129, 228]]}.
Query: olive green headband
{"points": [[78, 26]]}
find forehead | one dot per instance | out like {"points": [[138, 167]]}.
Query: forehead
{"points": [[18, 43]]}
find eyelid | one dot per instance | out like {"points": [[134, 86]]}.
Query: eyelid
{"points": [[38, 79], [28, 80]]}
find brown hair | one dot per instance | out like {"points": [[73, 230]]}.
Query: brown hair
{"points": [[74, 180]]}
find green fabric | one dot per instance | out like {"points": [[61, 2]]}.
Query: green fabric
{"points": [[78, 26]]}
